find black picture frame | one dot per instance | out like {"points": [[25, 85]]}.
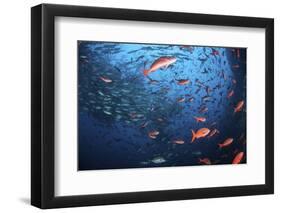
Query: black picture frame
{"points": [[43, 117]]}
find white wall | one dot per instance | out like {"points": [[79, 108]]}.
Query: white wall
{"points": [[15, 105]]}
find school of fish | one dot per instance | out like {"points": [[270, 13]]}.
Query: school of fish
{"points": [[167, 102]]}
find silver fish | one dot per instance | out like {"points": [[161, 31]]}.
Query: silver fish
{"points": [[158, 160], [106, 112]]}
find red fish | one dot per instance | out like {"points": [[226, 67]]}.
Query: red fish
{"points": [[227, 142], [230, 94], [153, 134], [239, 106], [238, 158], [205, 161], [164, 61], [178, 141], [106, 80], [183, 81], [201, 133], [200, 119], [180, 100]]}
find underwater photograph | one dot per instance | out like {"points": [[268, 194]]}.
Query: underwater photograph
{"points": [[144, 105]]}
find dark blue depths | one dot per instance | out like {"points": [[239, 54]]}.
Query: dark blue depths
{"points": [[119, 106]]}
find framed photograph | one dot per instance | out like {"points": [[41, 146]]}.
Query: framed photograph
{"points": [[139, 106]]}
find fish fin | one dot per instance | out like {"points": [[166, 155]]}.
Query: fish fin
{"points": [[193, 136], [146, 72]]}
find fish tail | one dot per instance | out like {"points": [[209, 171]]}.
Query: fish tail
{"points": [[193, 136], [146, 72], [220, 145]]}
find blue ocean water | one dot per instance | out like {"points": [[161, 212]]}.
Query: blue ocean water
{"points": [[131, 120]]}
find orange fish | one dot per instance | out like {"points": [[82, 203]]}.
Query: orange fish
{"points": [[238, 158], [153, 134], [239, 106], [200, 119], [164, 61], [205, 161], [201, 133], [183, 81], [227, 142], [106, 80], [178, 141], [230, 94], [180, 100], [213, 132]]}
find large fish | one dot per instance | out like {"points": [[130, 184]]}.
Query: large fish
{"points": [[164, 61], [201, 133]]}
